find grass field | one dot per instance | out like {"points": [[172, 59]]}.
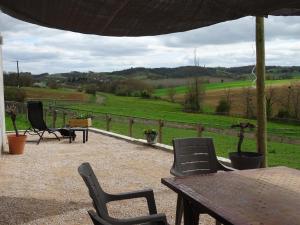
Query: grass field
{"points": [[279, 154], [219, 86]]}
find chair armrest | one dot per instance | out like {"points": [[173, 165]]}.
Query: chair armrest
{"points": [[147, 193], [142, 219]]}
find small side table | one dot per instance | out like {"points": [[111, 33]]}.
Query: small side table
{"points": [[85, 133]]}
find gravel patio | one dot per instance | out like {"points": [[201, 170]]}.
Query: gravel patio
{"points": [[43, 186]]}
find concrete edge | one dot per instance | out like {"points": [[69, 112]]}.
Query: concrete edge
{"points": [[163, 147]]}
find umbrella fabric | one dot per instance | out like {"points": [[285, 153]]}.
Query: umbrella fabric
{"points": [[140, 17]]}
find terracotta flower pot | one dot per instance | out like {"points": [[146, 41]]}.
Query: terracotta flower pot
{"points": [[16, 144]]}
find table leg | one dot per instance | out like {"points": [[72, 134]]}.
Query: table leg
{"points": [[83, 133], [87, 135], [70, 136], [179, 210], [191, 215]]}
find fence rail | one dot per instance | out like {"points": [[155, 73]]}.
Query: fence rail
{"points": [[55, 112]]}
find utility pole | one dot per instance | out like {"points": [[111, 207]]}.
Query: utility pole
{"points": [[18, 72]]}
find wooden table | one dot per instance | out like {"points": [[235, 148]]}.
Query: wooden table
{"points": [[268, 196]]}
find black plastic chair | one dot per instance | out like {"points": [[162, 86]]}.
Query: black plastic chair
{"points": [[194, 156], [101, 198], [96, 219], [36, 119]]}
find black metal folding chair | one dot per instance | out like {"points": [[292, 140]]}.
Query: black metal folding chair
{"points": [[101, 198], [36, 119], [194, 156]]}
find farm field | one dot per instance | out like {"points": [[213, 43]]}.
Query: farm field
{"points": [[279, 153], [52, 94], [219, 86]]}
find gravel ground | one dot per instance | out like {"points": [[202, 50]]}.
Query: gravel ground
{"points": [[42, 186]]}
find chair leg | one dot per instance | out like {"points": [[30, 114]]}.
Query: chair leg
{"points": [[54, 134], [26, 131], [41, 137], [179, 210]]}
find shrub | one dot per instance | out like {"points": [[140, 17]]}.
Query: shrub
{"points": [[283, 113], [14, 94], [91, 89], [193, 98], [223, 107], [52, 84], [145, 94]]}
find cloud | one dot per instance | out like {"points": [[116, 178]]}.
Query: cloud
{"points": [[231, 43]]}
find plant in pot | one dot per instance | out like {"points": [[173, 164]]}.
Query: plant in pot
{"points": [[244, 160], [81, 120], [16, 142], [151, 136]]}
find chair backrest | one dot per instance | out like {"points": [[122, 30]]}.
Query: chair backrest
{"points": [[97, 194], [194, 156], [96, 219], [35, 115]]}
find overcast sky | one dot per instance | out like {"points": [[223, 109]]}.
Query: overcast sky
{"points": [[227, 44]]}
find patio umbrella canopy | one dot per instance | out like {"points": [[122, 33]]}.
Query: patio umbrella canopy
{"points": [[140, 17]]}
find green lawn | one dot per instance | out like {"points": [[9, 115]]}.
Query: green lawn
{"points": [[219, 86], [157, 109]]}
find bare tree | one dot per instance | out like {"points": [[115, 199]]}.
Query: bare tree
{"points": [[285, 101], [193, 99], [295, 100], [225, 102], [196, 58], [248, 102], [228, 97], [171, 94], [270, 101]]}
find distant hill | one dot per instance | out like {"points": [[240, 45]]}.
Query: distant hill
{"points": [[193, 71], [276, 72]]}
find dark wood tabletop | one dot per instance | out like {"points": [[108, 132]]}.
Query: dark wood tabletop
{"points": [[268, 196]]}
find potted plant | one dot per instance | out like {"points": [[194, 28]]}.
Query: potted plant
{"points": [[151, 136], [16, 142], [244, 160], [81, 120]]}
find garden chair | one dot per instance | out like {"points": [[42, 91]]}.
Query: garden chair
{"points": [[36, 119], [96, 219], [194, 156], [101, 198]]}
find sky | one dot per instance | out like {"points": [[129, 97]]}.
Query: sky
{"points": [[229, 44]]}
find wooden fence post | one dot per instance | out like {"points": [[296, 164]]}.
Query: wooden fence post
{"points": [[131, 121], [160, 128], [45, 115], [199, 129], [108, 120], [54, 117], [64, 118]]}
